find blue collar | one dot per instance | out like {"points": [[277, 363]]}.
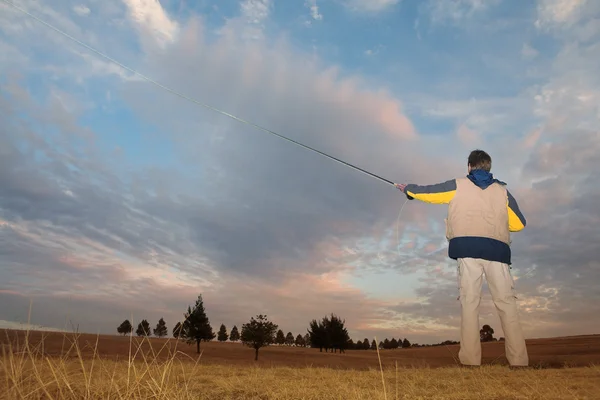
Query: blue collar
{"points": [[483, 178]]}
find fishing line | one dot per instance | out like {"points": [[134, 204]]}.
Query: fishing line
{"points": [[172, 91], [178, 94]]}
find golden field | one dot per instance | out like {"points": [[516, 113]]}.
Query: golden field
{"points": [[38, 365]]}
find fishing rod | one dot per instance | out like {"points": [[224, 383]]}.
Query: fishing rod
{"points": [[172, 91]]}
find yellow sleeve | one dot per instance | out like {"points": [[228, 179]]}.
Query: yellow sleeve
{"points": [[516, 220], [440, 193]]}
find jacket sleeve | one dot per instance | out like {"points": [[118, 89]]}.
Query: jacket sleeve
{"points": [[516, 220], [440, 193]]}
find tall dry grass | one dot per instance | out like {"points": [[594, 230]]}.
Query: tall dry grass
{"points": [[26, 373]]}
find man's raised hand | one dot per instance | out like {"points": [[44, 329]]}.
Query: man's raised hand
{"points": [[400, 186]]}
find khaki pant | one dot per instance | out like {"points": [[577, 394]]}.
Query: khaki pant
{"points": [[500, 282]]}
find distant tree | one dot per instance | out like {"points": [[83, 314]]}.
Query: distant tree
{"points": [[289, 339], [386, 344], [178, 330], [339, 333], [405, 343], [307, 340], [486, 333], [259, 332], [373, 344], [393, 344], [222, 335], [318, 335], [234, 336], [299, 341], [280, 339], [196, 326], [125, 327], [381, 344], [143, 328], [161, 329]]}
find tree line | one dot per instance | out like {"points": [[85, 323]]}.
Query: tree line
{"points": [[328, 333], [195, 328]]}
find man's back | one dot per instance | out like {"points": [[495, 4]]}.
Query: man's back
{"points": [[481, 215], [477, 223]]}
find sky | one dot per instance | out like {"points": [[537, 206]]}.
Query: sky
{"points": [[119, 199]]}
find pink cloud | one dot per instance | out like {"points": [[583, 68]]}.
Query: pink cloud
{"points": [[532, 138], [468, 136]]}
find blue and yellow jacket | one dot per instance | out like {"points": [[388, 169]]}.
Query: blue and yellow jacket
{"points": [[472, 247]]}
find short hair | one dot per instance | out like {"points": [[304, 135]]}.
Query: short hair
{"points": [[479, 159]]}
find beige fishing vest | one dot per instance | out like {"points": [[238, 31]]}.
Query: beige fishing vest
{"points": [[476, 212]]}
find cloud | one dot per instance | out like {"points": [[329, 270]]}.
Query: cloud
{"points": [[152, 19], [256, 11], [532, 138], [467, 136], [558, 12], [160, 199], [141, 229], [26, 326], [370, 5], [528, 52], [442, 11], [314, 10], [81, 10], [374, 51]]}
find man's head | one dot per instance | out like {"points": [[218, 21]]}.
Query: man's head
{"points": [[479, 159]]}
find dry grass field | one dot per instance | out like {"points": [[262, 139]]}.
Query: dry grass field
{"points": [[41, 365]]}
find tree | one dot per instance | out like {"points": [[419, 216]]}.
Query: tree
{"points": [[386, 343], [486, 334], [143, 328], [329, 333], [307, 340], [178, 330], [259, 332], [373, 345], [393, 344], [289, 339], [222, 335], [318, 335], [337, 333], [234, 336], [299, 341], [405, 343], [161, 329], [196, 326], [125, 327], [280, 339]]}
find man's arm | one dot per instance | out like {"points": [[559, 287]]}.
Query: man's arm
{"points": [[440, 193], [516, 220]]}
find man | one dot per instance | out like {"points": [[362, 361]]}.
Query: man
{"points": [[481, 215]]}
